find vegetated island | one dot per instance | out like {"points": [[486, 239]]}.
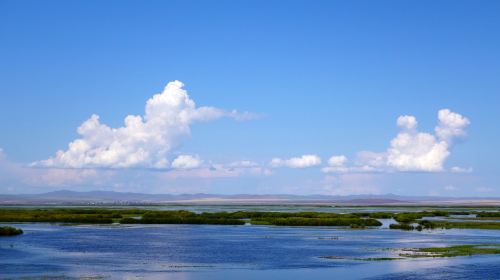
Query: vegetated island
{"points": [[417, 221], [8, 231], [406, 220]]}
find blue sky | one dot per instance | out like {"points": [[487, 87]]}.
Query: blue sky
{"points": [[319, 78]]}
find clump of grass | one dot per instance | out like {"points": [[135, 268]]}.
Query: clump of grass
{"points": [[452, 251], [432, 252], [377, 259], [332, 257], [488, 214], [8, 231], [405, 227], [463, 225], [409, 217], [300, 221], [183, 220]]}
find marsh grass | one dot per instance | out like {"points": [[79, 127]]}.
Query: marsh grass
{"points": [[452, 251], [301, 221], [9, 231], [461, 225], [143, 216]]}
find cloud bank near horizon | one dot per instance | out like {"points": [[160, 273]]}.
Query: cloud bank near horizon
{"points": [[144, 152], [296, 162]]}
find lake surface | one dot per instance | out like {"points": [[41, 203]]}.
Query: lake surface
{"points": [[235, 252]]}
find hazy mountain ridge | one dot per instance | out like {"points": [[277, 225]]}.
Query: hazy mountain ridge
{"points": [[67, 197]]}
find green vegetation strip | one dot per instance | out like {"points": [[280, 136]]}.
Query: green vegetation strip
{"points": [[142, 216], [432, 252], [7, 231], [453, 251], [463, 225], [488, 214], [299, 221]]}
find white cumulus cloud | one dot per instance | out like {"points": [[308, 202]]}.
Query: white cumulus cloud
{"points": [[451, 125], [186, 162], [143, 141], [407, 122], [411, 150], [417, 152], [297, 162], [458, 169], [336, 164]]}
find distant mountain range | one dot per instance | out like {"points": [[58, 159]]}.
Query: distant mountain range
{"points": [[66, 197]]}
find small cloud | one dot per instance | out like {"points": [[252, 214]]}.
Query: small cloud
{"points": [[457, 169], [337, 160], [217, 170], [243, 164], [336, 164], [186, 162], [297, 162], [407, 122], [451, 125]]}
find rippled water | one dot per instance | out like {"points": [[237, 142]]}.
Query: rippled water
{"points": [[230, 252]]}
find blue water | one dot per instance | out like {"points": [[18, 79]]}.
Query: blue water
{"points": [[230, 252]]}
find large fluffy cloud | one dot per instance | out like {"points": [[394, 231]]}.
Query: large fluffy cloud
{"points": [[410, 150], [143, 141], [297, 162]]}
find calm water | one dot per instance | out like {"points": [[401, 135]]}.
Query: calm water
{"points": [[235, 252]]}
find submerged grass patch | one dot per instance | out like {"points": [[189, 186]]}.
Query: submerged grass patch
{"points": [[377, 259], [431, 252], [452, 251]]}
